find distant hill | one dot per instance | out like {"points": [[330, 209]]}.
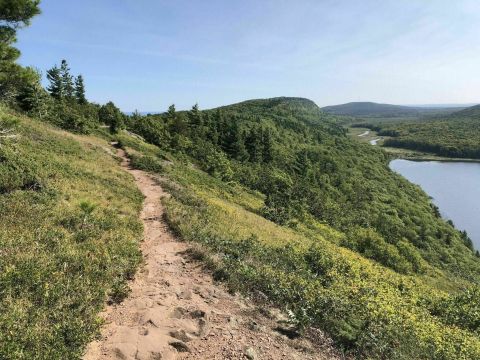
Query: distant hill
{"points": [[470, 112], [371, 109]]}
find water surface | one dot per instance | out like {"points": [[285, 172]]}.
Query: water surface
{"points": [[454, 187]]}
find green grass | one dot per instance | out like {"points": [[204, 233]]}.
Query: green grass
{"points": [[69, 233]]}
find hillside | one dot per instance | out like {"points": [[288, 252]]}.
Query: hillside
{"points": [[472, 112], [281, 202], [281, 205], [371, 109], [69, 233], [455, 135]]}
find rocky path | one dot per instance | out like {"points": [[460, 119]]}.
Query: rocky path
{"points": [[175, 311]]}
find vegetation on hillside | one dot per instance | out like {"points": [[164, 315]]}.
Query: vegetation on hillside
{"points": [[308, 170], [456, 135], [282, 203], [69, 233], [371, 109], [365, 273]]}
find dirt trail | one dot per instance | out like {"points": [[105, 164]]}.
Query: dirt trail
{"points": [[175, 311]]}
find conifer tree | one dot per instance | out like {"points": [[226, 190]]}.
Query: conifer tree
{"points": [[171, 113], [236, 143], [254, 146], [195, 120], [14, 14], [195, 116], [267, 146], [55, 88], [80, 90], [67, 80]]}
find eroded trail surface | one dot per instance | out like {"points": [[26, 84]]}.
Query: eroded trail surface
{"points": [[175, 311]]}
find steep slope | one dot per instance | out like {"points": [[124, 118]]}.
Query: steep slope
{"points": [[286, 207], [69, 233], [176, 310]]}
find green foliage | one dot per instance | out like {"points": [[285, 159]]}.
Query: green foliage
{"points": [[376, 283], [14, 14], [80, 90], [112, 116], [456, 135], [146, 163], [69, 233], [56, 83], [370, 311], [302, 162], [461, 309]]}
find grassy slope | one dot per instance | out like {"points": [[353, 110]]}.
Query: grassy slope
{"points": [[374, 310], [69, 233]]}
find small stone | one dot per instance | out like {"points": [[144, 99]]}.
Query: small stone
{"points": [[179, 312], [250, 354], [181, 335], [180, 346], [185, 295], [197, 314]]}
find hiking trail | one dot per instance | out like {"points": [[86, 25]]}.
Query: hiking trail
{"points": [[176, 311]]}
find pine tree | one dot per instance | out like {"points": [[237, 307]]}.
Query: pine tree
{"points": [[267, 146], [254, 146], [195, 120], [195, 116], [211, 129], [55, 88], [67, 80], [80, 90], [236, 143], [14, 14], [171, 113]]}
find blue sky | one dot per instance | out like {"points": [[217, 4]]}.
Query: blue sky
{"points": [[146, 54]]}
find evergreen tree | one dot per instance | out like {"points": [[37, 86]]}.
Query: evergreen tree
{"points": [[254, 146], [67, 80], [14, 14], [267, 146], [112, 116], [171, 112], [211, 129], [32, 97], [179, 125], [195, 117], [80, 90], [235, 143], [55, 88]]}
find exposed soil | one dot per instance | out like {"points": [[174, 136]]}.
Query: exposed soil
{"points": [[176, 311]]}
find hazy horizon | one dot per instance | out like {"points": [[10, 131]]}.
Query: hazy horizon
{"points": [[214, 53]]}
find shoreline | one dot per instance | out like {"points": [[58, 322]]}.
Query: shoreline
{"points": [[405, 154]]}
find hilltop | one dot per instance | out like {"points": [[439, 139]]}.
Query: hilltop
{"points": [[372, 109]]}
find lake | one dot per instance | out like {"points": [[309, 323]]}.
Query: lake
{"points": [[454, 187]]}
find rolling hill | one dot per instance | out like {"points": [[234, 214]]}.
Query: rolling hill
{"points": [[472, 112], [371, 109]]}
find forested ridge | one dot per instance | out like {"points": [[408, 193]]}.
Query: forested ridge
{"points": [[456, 135], [280, 201]]}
